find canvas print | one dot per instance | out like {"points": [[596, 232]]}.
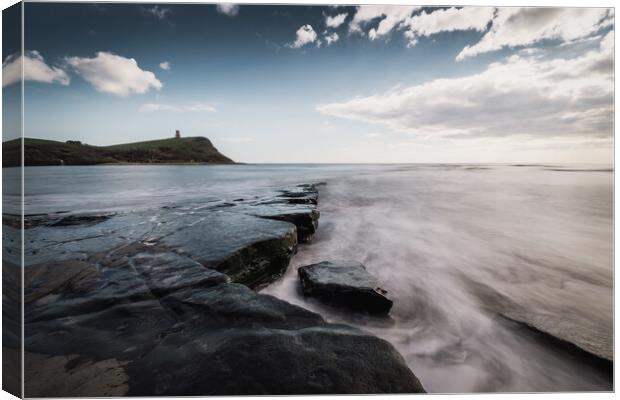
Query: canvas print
{"points": [[246, 199]]}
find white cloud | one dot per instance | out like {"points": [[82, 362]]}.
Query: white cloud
{"points": [[228, 9], [305, 35], [335, 21], [110, 73], [389, 17], [200, 107], [504, 27], [447, 20], [522, 95], [35, 69], [157, 11], [526, 26], [194, 107], [165, 65], [151, 107], [331, 38]]}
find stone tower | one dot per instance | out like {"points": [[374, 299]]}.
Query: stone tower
{"points": [[177, 134]]}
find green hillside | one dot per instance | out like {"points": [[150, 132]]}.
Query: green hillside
{"points": [[197, 150]]}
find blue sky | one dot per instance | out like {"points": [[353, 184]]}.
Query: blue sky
{"points": [[323, 84]]}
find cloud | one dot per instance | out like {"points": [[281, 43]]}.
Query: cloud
{"points": [[335, 21], [35, 69], [165, 65], [305, 35], [331, 38], [228, 9], [110, 73], [446, 20], [200, 107], [157, 11], [526, 26], [194, 107], [522, 95], [503, 27], [389, 17]]}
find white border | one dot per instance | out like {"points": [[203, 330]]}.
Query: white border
{"points": [[553, 3]]}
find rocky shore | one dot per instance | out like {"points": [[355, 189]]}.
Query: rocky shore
{"points": [[163, 302]]}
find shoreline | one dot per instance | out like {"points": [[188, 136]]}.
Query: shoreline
{"points": [[192, 266], [256, 207]]}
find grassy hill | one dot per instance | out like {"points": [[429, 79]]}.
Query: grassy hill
{"points": [[197, 150]]}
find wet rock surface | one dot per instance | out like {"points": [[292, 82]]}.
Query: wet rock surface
{"points": [[188, 333], [344, 283], [297, 205], [151, 303], [559, 328], [88, 219]]}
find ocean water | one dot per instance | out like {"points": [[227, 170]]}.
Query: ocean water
{"points": [[463, 250]]}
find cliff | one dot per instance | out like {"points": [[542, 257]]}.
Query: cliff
{"points": [[197, 150]]}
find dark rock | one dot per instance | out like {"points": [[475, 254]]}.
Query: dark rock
{"points": [[305, 218], [240, 342], [85, 289], [11, 245], [149, 332], [346, 284], [78, 242], [29, 221], [12, 318], [46, 279], [296, 200], [325, 360], [253, 251], [12, 220], [306, 221], [304, 194], [71, 220], [296, 205], [165, 272], [133, 304]]}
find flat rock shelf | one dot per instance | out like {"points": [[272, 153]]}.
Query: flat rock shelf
{"points": [[160, 302]]}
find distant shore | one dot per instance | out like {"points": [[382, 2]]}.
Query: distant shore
{"points": [[172, 151]]}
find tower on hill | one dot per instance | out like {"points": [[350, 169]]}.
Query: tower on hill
{"points": [[177, 134]]}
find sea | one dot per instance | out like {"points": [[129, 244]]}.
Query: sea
{"points": [[501, 275]]}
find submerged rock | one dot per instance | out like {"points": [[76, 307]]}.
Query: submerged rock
{"points": [[53, 219], [588, 335], [344, 283], [81, 219], [166, 325]]}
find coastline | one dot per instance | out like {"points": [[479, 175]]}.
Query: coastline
{"points": [[169, 264], [189, 233]]}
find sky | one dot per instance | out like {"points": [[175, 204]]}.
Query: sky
{"points": [[321, 84]]}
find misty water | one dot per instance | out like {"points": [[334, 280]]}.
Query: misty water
{"points": [[463, 251]]}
